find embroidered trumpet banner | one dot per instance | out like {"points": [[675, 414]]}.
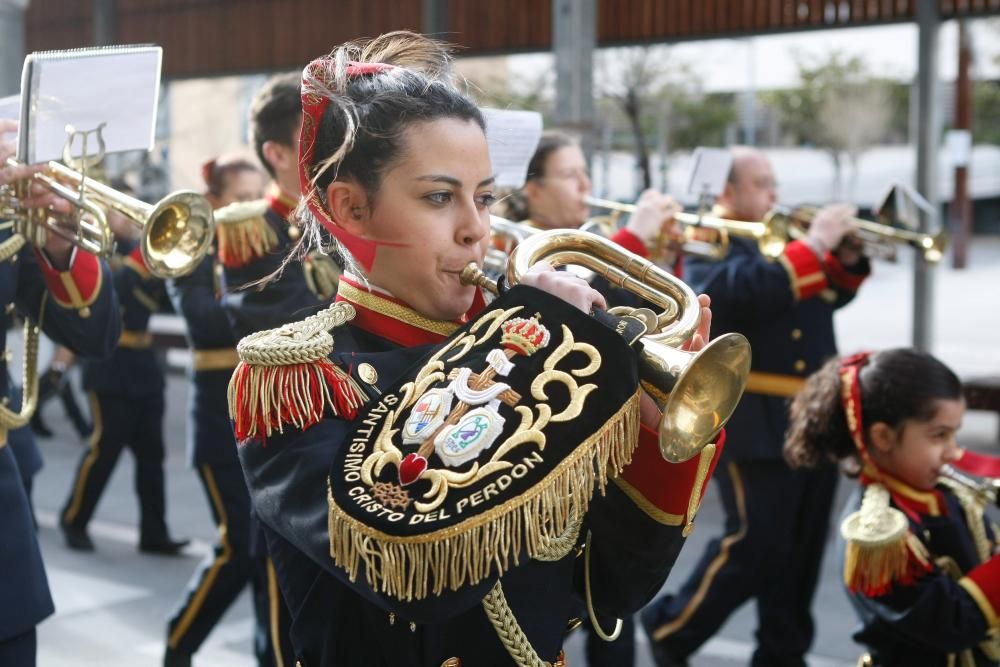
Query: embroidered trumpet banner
{"points": [[487, 452]]}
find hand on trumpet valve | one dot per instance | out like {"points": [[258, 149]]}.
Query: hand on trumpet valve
{"points": [[829, 226], [569, 287], [654, 217]]}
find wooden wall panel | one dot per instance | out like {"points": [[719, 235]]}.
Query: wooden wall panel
{"points": [[207, 37]]}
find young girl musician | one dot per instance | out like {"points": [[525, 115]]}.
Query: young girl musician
{"points": [[437, 479], [919, 564]]}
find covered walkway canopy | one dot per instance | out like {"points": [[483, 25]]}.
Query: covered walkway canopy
{"points": [[206, 38], [201, 38]]}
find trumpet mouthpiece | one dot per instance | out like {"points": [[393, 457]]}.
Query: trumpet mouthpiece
{"points": [[473, 274]]}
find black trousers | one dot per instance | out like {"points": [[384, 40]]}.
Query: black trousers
{"points": [[119, 422], [19, 650], [776, 527], [221, 576], [619, 653]]}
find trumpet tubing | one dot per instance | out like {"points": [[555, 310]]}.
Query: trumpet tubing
{"points": [[697, 392], [986, 488], [769, 233]]}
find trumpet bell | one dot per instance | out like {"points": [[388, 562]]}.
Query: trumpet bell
{"points": [[177, 233], [696, 391]]}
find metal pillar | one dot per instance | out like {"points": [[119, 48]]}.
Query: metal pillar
{"points": [[11, 45], [928, 22], [104, 22], [574, 37], [961, 204], [434, 17]]}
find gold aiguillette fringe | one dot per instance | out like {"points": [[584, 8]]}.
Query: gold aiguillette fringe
{"points": [[881, 550], [411, 568], [285, 377], [243, 233]]}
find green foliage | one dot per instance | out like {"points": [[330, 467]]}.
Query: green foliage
{"points": [[985, 120], [701, 120], [837, 98]]}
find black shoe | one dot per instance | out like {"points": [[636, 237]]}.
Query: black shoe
{"points": [[661, 656], [174, 658], [163, 547], [76, 538]]}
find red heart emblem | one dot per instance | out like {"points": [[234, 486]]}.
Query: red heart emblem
{"points": [[411, 468]]}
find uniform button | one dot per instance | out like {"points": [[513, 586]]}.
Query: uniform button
{"points": [[9, 308], [85, 312], [796, 334], [293, 232], [413, 626], [452, 662], [800, 366], [367, 373], [573, 624]]}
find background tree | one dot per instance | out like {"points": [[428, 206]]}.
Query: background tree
{"points": [[839, 107], [653, 93]]}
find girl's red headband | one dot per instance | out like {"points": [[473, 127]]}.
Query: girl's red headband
{"points": [[850, 396], [314, 104]]}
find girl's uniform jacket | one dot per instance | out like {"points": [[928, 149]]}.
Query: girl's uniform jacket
{"points": [[376, 576], [941, 608]]}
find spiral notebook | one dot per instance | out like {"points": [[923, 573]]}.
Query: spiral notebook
{"points": [[118, 86]]}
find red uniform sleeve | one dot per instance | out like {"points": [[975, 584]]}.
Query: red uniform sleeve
{"points": [[630, 242], [805, 272], [669, 493], [78, 286]]}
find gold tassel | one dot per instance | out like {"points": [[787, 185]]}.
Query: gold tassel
{"points": [[411, 568], [881, 550], [243, 233], [285, 377]]}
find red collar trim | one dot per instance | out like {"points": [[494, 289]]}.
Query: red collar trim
{"points": [[280, 202], [912, 502], [392, 319]]}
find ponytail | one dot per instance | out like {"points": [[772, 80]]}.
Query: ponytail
{"points": [[817, 426]]}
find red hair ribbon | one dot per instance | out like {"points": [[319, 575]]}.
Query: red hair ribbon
{"points": [[850, 397], [314, 103]]}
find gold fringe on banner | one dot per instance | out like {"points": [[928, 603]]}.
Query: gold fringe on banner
{"points": [[412, 567], [881, 550]]}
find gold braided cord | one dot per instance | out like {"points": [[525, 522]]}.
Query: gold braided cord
{"points": [[557, 547], [509, 631], [539, 521], [29, 380], [594, 623], [11, 247]]}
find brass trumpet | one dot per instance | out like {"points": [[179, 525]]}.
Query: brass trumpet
{"points": [[778, 228], [697, 391], [177, 231], [875, 235], [985, 488], [770, 234]]}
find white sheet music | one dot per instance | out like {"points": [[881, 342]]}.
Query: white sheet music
{"points": [[709, 171], [118, 86], [512, 137]]}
